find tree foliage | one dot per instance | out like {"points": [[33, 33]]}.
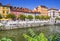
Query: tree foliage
{"points": [[22, 17], [57, 18], [37, 17], [30, 17], [0, 16], [44, 17], [12, 16]]}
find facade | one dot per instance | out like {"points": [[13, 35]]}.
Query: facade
{"points": [[59, 13], [4, 10], [53, 13], [14, 10], [17, 11], [42, 9]]}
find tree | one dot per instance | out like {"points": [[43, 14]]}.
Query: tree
{"points": [[22, 17], [30, 17], [12, 16], [0, 16], [37, 17], [42, 17], [57, 18], [46, 17]]}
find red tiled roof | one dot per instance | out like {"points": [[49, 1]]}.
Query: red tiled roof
{"points": [[17, 9], [53, 9]]}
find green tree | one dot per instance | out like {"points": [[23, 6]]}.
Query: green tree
{"points": [[0, 16], [42, 17], [46, 17], [37, 17], [22, 17], [12, 16], [57, 18], [30, 17]]}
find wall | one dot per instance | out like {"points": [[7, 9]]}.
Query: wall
{"points": [[42, 10]]}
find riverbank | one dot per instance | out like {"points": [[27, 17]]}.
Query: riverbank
{"points": [[22, 24], [6, 25]]}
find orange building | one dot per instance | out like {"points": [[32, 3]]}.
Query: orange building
{"points": [[4, 10], [42, 9]]}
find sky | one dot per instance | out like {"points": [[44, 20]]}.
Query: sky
{"points": [[31, 4]]}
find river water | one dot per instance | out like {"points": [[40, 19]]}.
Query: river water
{"points": [[16, 34]]}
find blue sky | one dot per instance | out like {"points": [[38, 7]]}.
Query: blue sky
{"points": [[31, 4]]}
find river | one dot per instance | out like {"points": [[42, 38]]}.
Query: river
{"points": [[16, 34]]}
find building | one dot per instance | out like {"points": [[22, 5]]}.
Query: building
{"points": [[42, 9], [17, 11], [4, 10], [59, 13], [14, 10], [52, 12]]}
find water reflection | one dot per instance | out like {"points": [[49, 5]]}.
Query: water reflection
{"points": [[16, 34]]}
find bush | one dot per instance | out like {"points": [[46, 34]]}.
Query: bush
{"points": [[5, 39], [35, 37]]}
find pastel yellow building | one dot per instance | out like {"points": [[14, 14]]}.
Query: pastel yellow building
{"points": [[42, 9], [4, 10]]}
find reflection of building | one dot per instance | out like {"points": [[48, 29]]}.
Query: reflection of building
{"points": [[53, 13], [4, 10], [42, 9]]}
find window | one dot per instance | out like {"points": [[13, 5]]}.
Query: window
{"points": [[7, 12], [3, 7], [3, 11], [59, 14], [7, 8], [53, 13]]}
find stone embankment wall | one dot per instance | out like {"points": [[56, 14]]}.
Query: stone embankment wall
{"points": [[25, 25]]}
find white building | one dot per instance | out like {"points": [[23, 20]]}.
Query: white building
{"points": [[53, 13]]}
